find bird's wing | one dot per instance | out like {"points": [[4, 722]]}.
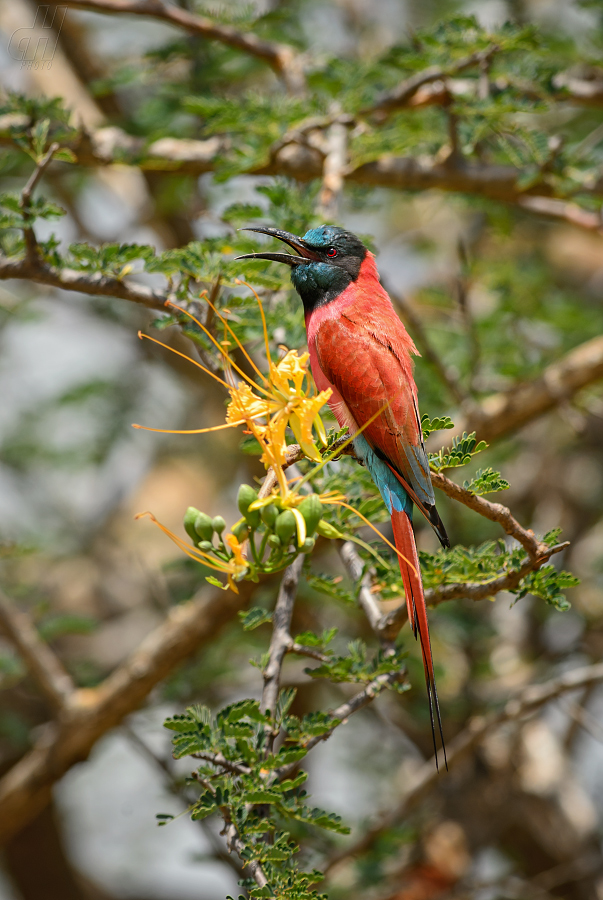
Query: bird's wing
{"points": [[369, 363]]}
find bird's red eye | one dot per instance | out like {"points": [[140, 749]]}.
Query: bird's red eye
{"points": [[331, 252]]}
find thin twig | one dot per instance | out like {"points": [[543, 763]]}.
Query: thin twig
{"points": [[31, 244], [462, 296], [343, 712], [234, 842], [175, 787], [217, 759], [44, 666], [426, 778]]}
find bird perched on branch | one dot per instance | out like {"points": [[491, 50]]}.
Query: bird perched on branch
{"points": [[360, 349]]}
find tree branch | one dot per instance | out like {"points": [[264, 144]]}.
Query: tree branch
{"points": [[282, 58], [427, 777], [390, 624], [44, 666], [503, 413], [402, 95], [538, 553], [281, 640], [71, 280], [299, 160], [496, 512], [26, 789], [366, 598]]}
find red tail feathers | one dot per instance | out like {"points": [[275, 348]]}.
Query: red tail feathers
{"points": [[417, 614]]}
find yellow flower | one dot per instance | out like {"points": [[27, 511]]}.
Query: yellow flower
{"points": [[238, 564]]}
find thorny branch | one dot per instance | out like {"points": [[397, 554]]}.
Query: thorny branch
{"points": [[426, 778], [283, 59]]}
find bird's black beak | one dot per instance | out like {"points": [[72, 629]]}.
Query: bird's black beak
{"points": [[305, 254]]}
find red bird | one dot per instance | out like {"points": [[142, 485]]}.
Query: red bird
{"points": [[360, 349]]}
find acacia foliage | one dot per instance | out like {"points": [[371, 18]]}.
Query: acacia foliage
{"points": [[244, 781]]}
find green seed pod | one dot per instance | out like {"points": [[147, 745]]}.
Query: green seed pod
{"points": [[285, 526], [325, 529], [218, 524], [206, 546], [308, 545], [274, 542], [245, 496], [311, 509], [189, 523], [204, 527], [241, 531], [269, 515]]}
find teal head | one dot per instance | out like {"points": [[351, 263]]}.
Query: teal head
{"points": [[327, 259]]}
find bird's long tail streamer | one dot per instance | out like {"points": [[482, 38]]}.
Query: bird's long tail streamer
{"points": [[417, 615]]}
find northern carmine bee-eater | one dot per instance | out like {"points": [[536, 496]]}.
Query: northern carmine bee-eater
{"points": [[360, 349]]}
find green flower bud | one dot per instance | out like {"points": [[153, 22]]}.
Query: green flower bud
{"points": [[311, 509], [269, 515], [204, 527], [325, 529], [189, 523], [285, 526], [274, 542], [241, 531], [218, 524], [245, 497], [206, 546], [308, 545]]}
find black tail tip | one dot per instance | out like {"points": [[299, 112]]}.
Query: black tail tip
{"points": [[438, 527]]}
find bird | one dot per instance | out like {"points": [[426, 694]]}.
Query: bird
{"points": [[360, 349]]}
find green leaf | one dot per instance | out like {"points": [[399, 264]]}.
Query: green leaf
{"points": [[254, 617], [211, 579], [428, 426], [486, 481], [461, 451]]}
